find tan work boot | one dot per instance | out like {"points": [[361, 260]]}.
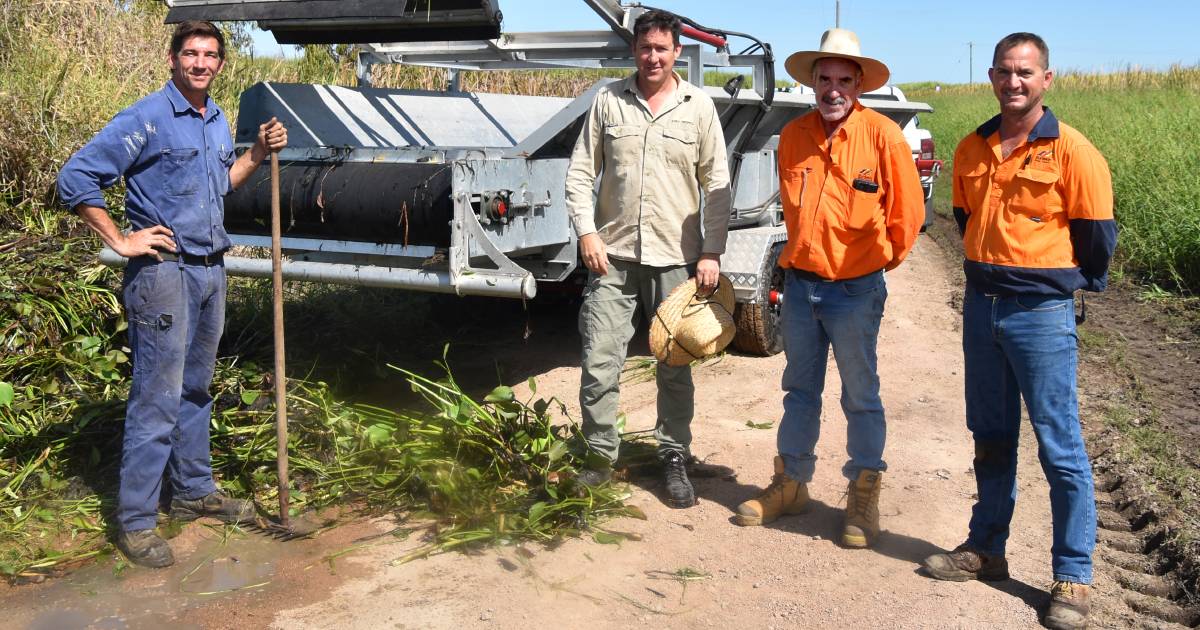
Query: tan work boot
{"points": [[966, 563], [1068, 606], [784, 496], [862, 510]]}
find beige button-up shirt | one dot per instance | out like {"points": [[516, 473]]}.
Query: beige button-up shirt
{"points": [[654, 172]]}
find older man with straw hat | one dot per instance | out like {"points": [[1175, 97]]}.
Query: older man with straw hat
{"points": [[853, 206]]}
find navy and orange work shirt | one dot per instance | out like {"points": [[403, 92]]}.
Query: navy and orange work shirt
{"points": [[1039, 221], [852, 202]]}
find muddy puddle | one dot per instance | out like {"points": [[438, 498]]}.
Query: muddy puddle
{"points": [[215, 566]]}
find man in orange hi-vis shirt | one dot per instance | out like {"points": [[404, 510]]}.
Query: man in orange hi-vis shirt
{"points": [[853, 205], [1033, 199]]}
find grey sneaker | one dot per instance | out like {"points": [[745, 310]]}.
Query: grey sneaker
{"points": [[145, 548], [680, 493], [966, 563], [216, 505]]}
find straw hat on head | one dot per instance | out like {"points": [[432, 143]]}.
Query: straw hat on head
{"points": [[841, 44], [689, 326]]}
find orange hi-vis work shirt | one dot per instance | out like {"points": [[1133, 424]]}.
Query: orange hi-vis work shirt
{"points": [[852, 203], [1039, 221]]}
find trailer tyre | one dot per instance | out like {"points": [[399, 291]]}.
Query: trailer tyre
{"points": [[759, 329]]}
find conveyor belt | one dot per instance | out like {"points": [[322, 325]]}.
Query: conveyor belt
{"points": [[407, 203]]}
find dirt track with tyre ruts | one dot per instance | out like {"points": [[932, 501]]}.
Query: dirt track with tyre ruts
{"points": [[694, 567], [787, 574]]}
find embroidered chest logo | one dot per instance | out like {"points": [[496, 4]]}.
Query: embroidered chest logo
{"points": [[866, 173], [1045, 155]]}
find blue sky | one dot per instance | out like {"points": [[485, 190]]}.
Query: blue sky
{"points": [[922, 40]]}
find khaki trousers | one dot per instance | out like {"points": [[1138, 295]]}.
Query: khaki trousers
{"points": [[613, 306]]}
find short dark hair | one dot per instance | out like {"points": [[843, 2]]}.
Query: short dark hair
{"points": [[196, 28], [1016, 39], [658, 20]]}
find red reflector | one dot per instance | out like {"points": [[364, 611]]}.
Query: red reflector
{"points": [[928, 167], [775, 297], [501, 208], [926, 148]]}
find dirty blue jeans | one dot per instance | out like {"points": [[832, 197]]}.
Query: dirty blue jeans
{"points": [[176, 314], [1026, 345], [613, 305], [844, 314]]}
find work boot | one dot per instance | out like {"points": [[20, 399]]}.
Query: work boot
{"points": [[680, 493], [1068, 606], [145, 548], [594, 477], [784, 496], [862, 510], [216, 505], [966, 563]]}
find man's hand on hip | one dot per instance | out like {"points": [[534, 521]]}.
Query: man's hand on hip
{"points": [[708, 270], [594, 253], [147, 242]]}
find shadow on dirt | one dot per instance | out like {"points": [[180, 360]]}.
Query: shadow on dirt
{"points": [[822, 521]]}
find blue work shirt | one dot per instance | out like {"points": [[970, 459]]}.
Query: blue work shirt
{"points": [[176, 168]]}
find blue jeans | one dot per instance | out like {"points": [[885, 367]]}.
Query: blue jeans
{"points": [[1026, 345], [176, 314], [846, 315]]}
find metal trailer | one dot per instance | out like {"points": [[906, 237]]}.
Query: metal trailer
{"points": [[459, 192]]}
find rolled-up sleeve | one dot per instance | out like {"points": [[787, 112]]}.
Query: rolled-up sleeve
{"points": [[713, 174], [587, 160], [905, 203], [102, 161]]}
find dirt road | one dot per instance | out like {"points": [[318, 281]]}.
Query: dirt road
{"points": [[788, 574]]}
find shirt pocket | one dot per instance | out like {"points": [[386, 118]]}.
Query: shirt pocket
{"points": [[1034, 195], [181, 172], [623, 145], [681, 147], [794, 186], [865, 210], [975, 184]]}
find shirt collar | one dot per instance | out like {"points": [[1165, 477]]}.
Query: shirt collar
{"points": [[1047, 127], [180, 103], [682, 88]]}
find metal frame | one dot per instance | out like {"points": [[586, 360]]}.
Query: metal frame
{"points": [[508, 258]]}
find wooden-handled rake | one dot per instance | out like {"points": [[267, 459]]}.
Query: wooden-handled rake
{"points": [[281, 529]]}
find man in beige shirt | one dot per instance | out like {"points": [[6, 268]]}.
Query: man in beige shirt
{"points": [[656, 144]]}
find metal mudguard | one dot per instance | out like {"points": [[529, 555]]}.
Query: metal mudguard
{"points": [[746, 252]]}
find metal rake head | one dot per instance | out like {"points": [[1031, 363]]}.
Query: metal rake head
{"points": [[278, 530]]}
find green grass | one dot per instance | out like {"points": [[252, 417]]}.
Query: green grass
{"points": [[1144, 124]]}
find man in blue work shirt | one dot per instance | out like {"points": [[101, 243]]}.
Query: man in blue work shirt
{"points": [[175, 152]]}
